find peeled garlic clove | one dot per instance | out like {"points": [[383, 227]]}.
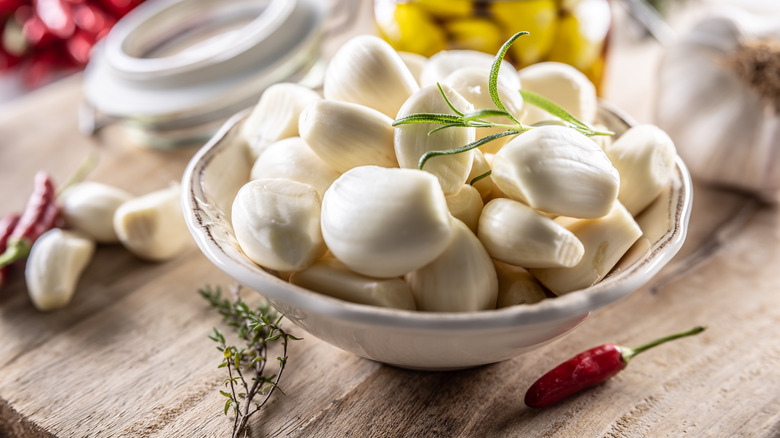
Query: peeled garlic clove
{"points": [[277, 223], [472, 84], [412, 140], [644, 156], [414, 62], [564, 85], [293, 159], [54, 266], [330, 277], [367, 71], [385, 222], [152, 226], [88, 207], [442, 64], [516, 286], [347, 135], [557, 170], [486, 187], [516, 234], [466, 206], [461, 279], [275, 116], [605, 239]]}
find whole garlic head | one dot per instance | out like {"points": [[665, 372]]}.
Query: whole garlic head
{"points": [[385, 222], [734, 138]]}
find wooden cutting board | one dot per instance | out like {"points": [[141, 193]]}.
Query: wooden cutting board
{"points": [[130, 356]]}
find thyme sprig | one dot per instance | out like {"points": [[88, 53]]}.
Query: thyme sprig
{"points": [[259, 329], [477, 118]]}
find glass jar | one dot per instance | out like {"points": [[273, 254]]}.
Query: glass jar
{"points": [[571, 31]]}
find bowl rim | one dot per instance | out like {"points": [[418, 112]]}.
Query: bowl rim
{"points": [[575, 304]]}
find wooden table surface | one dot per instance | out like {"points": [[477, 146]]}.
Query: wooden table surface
{"points": [[130, 356]]}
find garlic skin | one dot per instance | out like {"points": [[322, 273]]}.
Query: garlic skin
{"points": [[461, 279], [472, 84], [366, 70], [733, 138], [605, 240], [516, 286], [412, 140], [445, 62], [466, 205], [152, 226], [385, 222], [88, 207], [54, 266], [330, 277], [557, 170], [515, 233], [293, 159], [275, 116], [562, 84], [645, 158], [347, 135], [277, 223]]}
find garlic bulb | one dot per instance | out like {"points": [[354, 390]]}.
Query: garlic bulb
{"points": [[385, 222], [89, 207], [719, 100], [366, 70]]}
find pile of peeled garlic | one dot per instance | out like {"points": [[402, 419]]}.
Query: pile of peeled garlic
{"points": [[336, 203]]}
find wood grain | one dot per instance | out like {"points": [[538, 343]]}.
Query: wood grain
{"points": [[130, 357]]}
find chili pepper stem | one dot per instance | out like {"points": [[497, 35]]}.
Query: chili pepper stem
{"points": [[16, 250], [628, 353]]}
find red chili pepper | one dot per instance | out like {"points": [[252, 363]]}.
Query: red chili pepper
{"points": [[587, 369], [57, 16], [40, 215], [7, 225]]}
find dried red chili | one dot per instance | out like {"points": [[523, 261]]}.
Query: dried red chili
{"points": [[7, 225], [587, 369], [40, 215]]}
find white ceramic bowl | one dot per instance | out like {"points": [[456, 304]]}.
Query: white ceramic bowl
{"points": [[420, 340]]}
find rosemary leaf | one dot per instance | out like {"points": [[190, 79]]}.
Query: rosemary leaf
{"points": [[480, 177], [442, 119], [475, 144], [494, 69]]}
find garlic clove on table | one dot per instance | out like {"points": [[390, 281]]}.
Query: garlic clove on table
{"points": [[54, 266], [89, 207], [152, 226]]}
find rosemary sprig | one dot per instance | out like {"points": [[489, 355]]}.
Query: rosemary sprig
{"points": [[477, 118], [258, 328]]}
